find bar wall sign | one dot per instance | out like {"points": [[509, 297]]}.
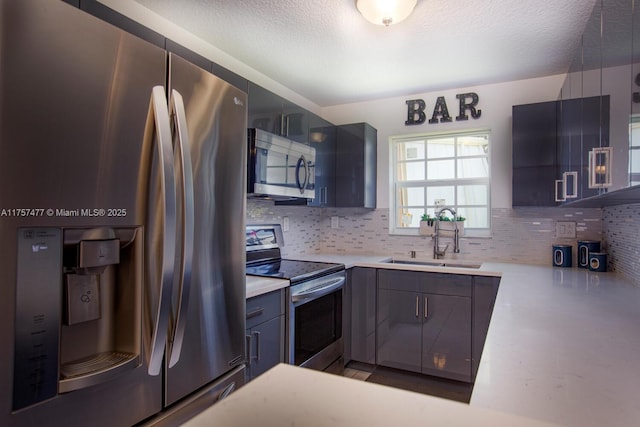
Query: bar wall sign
{"points": [[466, 102]]}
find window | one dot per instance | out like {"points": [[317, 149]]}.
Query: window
{"points": [[634, 151], [453, 167]]}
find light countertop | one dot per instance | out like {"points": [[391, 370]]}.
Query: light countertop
{"points": [[291, 396], [261, 285], [381, 261], [563, 347]]}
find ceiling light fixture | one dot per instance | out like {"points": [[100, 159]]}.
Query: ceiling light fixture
{"points": [[385, 12]]}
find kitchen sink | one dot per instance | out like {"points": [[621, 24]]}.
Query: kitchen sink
{"points": [[434, 263]]}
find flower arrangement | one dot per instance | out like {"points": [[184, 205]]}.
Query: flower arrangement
{"points": [[427, 223]]}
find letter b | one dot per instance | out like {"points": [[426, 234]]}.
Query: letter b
{"points": [[415, 112]]}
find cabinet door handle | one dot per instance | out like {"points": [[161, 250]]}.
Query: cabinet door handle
{"points": [[560, 197], [257, 334], [570, 179], [257, 312], [417, 305], [248, 349], [426, 307]]}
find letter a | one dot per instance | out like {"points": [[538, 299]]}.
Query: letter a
{"points": [[440, 110]]}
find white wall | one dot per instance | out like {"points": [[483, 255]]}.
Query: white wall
{"points": [[388, 117]]}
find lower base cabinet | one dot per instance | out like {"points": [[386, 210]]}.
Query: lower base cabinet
{"points": [[264, 333], [362, 339], [424, 323], [485, 290]]}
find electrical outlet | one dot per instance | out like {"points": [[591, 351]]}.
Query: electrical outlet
{"points": [[285, 223], [334, 222], [566, 229]]}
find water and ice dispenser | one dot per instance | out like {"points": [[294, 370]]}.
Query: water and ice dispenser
{"points": [[78, 309]]}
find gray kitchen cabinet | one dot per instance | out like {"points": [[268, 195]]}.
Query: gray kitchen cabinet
{"points": [[399, 330], [605, 69], [485, 290], [270, 112], [356, 163], [551, 139], [362, 342], [346, 315], [446, 336], [424, 323], [534, 158], [322, 137], [105, 13], [264, 333]]}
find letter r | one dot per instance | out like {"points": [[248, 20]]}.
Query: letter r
{"points": [[471, 106]]}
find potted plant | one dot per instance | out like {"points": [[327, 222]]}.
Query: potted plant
{"points": [[450, 224], [427, 224]]}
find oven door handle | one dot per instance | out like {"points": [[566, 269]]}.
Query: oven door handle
{"points": [[318, 291]]}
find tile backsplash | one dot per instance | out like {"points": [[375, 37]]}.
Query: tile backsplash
{"points": [[622, 234], [519, 235], [304, 231], [522, 235]]}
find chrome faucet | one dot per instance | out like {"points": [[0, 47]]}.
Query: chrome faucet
{"points": [[437, 253]]}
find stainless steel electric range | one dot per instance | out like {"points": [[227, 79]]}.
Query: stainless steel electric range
{"points": [[314, 338]]}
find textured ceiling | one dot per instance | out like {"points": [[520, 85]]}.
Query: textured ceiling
{"points": [[325, 51]]}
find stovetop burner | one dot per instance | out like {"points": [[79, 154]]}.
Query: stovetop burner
{"points": [[263, 244], [294, 271]]}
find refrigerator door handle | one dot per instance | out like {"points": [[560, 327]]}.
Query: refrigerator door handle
{"points": [[182, 274], [163, 210]]}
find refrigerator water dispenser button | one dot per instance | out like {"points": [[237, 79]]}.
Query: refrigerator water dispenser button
{"points": [[98, 253], [83, 298]]}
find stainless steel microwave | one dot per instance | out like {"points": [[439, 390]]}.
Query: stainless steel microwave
{"points": [[279, 168]]}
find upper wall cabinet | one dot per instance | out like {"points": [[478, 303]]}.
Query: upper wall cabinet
{"points": [[551, 146], [270, 112], [109, 15], [322, 137], [634, 122], [356, 165], [617, 77], [534, 136], [592, 54], [583, 125], [609, 55]]}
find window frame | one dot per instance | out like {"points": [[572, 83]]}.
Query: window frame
{"points": [[634, 150], [394, 185]]}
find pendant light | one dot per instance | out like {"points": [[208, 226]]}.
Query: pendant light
{"points": [[385, 12]]}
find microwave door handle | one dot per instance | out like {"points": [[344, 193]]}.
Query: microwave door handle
{"points": [[307, 174], [158, 129], [302, 162], [182, 275]]}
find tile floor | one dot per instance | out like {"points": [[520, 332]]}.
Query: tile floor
{"points": [[425, 384], [356, 374]]}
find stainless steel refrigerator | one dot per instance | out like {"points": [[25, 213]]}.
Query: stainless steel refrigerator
{"points": [[122, 203]]}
